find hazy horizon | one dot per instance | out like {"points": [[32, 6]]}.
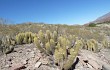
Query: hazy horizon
{"points": [[53, 11]]}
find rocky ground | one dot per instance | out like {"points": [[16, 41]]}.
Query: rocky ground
{"points": [[27, 57]]}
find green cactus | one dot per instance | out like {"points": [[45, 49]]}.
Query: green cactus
{"points": [[55, 36], [92, 45], [29, 40], [19, 38], [13, 42], [0, 42], [48, 48], [67, 65], [63, 42], [26, 38], [63, 52], [48, 34], [6, 44], [105, 43], [68, 44], [58, 57], [52, 45], [37, 43], [41, 37], [73, 53], [57, 46], [8, 49]]}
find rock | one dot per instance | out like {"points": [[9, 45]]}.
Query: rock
{"points": [[76, 69], [94, 64], [32, 54], [7, 66], [105, 67], [18, 66], [34, 49], [44, 61], [28, 50], [89, 66], [38, 64], [25, 61]]}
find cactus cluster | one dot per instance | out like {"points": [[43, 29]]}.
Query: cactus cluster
{"points": [[7, 44], [61, 47], [92, 45], [25, 38], [67, 60], [46, 42]]}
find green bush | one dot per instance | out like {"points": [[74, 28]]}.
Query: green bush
{"points": [[92, 25]]}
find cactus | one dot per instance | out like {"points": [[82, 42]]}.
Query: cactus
{"points": [[69, 62], [52, 45], [48, 48], [58, 57], [57, 46], [0, 42], [29, 40], [19, 38], [13, 42], [7, 45], [63, 52], [48, 34], [37, 43], [68, 44], [26, 38], [55, 36], [63, 42], [41, 37], [105, 43], [92, 45], [8, 49]]}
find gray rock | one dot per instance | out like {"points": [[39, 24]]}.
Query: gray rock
{"points": [[105, 67], [38, 64]]}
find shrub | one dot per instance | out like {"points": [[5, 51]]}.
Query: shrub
{"points": [[92, 25]]}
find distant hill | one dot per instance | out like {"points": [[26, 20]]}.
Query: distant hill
{"points": [[103, 19]]}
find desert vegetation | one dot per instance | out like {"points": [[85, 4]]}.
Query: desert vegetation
{"points": [[61, 42]]}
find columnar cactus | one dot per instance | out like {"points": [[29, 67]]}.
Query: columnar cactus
{"points": [[7, 45], [48, 34], [55, 36], [37, 43], [92, 45], [41, 37], [58, 57], [105, 43], [52, 45], [48, 48]]}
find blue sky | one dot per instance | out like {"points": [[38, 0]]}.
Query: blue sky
{"points": [[53, 11]]}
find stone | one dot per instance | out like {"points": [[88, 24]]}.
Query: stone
{"points": [[32, 54], [7, 66], [34, 49], [25, 61], [44, 61], [105, 67], [28, 50], [18, 66], [38, 64]]}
